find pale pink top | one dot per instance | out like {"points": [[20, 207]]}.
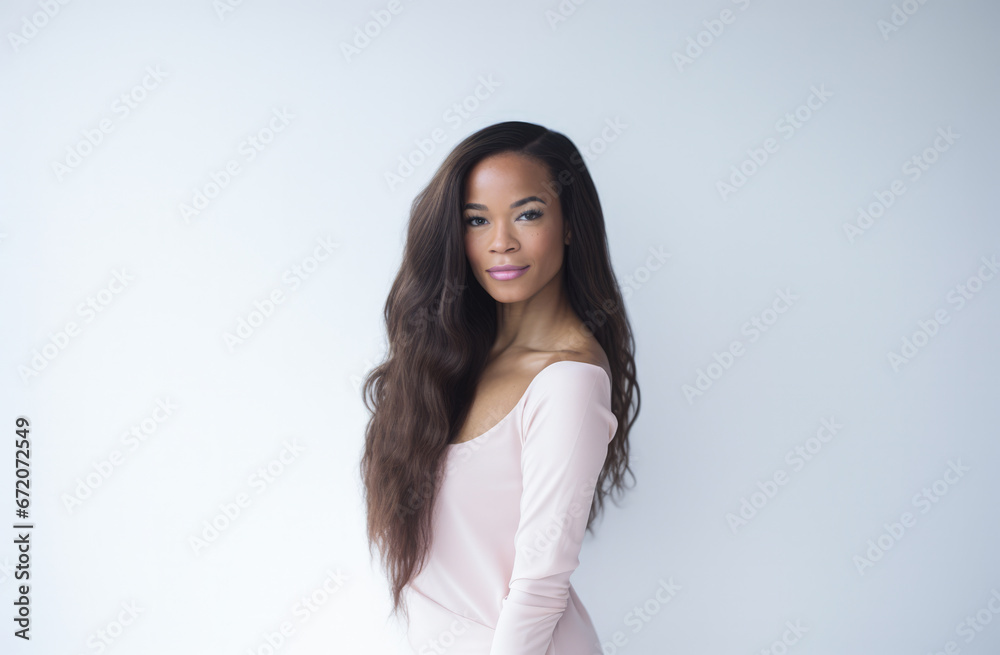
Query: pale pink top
{"points": [[509, 522]]}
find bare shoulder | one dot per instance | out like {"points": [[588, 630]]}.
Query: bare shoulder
{"points": [[506, 379], [587, 351]]}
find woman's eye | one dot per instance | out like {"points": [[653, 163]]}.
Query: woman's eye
{"points": [[530, 215]]}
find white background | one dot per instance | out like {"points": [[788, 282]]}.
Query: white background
{"points": [[683, 126]]}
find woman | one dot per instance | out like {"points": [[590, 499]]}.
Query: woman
{"points": [[499, 416]]}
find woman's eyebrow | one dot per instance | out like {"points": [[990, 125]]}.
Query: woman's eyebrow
{"points": [[476, 205]]}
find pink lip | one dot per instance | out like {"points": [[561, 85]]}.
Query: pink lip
{"points": [[506, 272]]}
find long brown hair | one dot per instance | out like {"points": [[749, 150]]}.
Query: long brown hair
{"points": [[441, 325]]}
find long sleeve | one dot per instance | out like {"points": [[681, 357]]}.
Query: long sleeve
{"points": [[567, 425]]}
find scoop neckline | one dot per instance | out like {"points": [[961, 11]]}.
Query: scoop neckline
{"points": [[525, 395]]}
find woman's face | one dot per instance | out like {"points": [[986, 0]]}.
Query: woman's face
{"points": [[510, 219]]}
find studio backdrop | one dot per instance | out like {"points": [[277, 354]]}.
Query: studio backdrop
{"points": [[203, 207]]}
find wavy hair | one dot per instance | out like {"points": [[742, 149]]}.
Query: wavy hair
{"points": [[441, 325]]}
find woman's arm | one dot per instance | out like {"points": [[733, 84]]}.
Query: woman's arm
{"points": [[567, 426]]}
